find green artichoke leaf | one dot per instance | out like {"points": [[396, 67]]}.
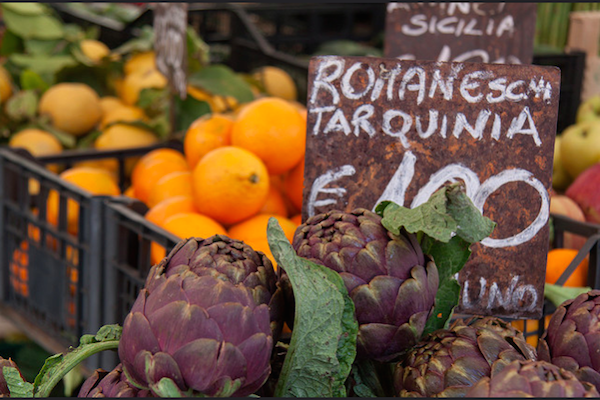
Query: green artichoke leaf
{"points": [[323, 344], [472, 226], [58, 365], [167, 388], [559, 294], [449, 258], [17, 386]]}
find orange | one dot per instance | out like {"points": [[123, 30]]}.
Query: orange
{"points": [[169, 207], [230, 184], [92, 180], [559, 260], [294, 185], [297, 219], [172, 185], [207, 133], [129, 192], [274, 130], [186, 225], [275, 203], [532, 326], [154, 166], [256, 228]]}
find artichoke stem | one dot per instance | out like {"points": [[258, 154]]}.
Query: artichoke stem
{"points": [[54, 374], [559, 294]]}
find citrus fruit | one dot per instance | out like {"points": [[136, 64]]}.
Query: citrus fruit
{"points": [[171, 185], [129, 192], [5, 85], [72, 107], [277, 82], [272, 129], [110, 103], [143, 180], [205, 134], [230, 184], [275, 203], [94, 49], [297, 219], [136, 82], [256, 227], [186, 225], [92, 180], [123, 114], [140, 62], [559, 260], [294, 185], [169, 207], [104, 165]]}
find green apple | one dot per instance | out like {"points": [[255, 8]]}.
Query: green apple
{"points": [[589, 110], [560, 178], [580, 147]]}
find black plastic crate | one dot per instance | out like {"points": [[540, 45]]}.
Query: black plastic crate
{"points": [[572, 68], [591, 249], [51, 282]]}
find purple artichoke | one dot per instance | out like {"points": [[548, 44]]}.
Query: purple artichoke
{"points": [[572, 340], [110, 384], [230, 260], [4, 392], [532, 379], [449, 361], [393, 285], [197, 323]]}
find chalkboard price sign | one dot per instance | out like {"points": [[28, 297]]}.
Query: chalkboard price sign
{"points": [[475, 32], [388, 129]]}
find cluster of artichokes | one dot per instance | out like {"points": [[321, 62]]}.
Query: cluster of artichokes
{"points": [[208, 319]]}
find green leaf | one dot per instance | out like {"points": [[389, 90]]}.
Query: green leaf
{"points": [[167, 388], [17, 386], [222, 80], [472, 225], [189, 110], [42, 64], [26, 8], [431, 218], [143, 42], [446, 300], [559, 294], [33, 26], [87, 141], [58, 365], [198, 51], [380, 209], [40, 47], [323, 343], [11, 44], [154, 101], [30, 80], [22, 105]]}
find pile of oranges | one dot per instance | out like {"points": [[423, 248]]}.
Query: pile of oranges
{"points": [[237, 170]]}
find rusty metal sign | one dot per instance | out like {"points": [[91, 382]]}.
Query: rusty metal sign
{"points": [[387, 129], [500, 33], [170, 43]]}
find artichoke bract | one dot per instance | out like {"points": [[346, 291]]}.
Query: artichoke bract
{"points": [[532, 379], [391, 282], [230, 260], [110, 384], [572, 339], [449, 361], [192, 323]]}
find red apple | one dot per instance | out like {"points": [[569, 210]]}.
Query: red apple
{"points": [[563, 205], [585, 191]]}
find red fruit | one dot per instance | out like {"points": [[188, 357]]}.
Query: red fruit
{"points": [[585, 191], [563, 205]]}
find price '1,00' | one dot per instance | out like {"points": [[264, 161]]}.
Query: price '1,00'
{"points": [[477, 191]]}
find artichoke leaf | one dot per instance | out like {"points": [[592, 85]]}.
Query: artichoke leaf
{"points": [[323, 344], [16, 385]]}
